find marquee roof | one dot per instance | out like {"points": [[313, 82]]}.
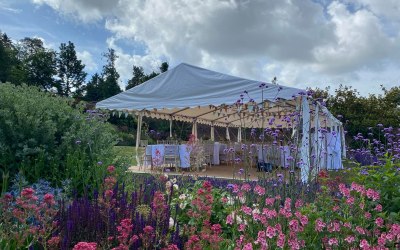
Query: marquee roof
{"points": [[189, 93]]}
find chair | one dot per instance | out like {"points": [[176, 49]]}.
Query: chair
{"points": [[143, 143], [209, 153], [171, 155], [147, 157]]}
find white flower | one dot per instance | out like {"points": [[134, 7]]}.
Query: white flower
{"points": [[182, 206], [256, 211], [182, 196], [230, 201], [173, 180], [168, 185], [242, 199], [171, 222], [176, 186]]}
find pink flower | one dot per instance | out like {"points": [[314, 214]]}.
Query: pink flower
{"points": [[242, 227], [319, 225], [367, 215], [85, 246], [229, 220], [259, 190], [49, 199], [303, 220], [171, 247], [294, 225], [360, 230], [364, 244], [108, 193], [53, 241], [247, 210], [349, 239], [110, 169], [246, 187], [378, 208], [216, 228], [299, 203], [382, 240], [379, 222], [270, 232], [269, 201], [248, 246], [372, 194], [281, 241], [333, 242], [347, 224], [350, 200], [27, 193], [335, 208]]}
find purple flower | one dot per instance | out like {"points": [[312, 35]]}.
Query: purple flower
{"points": [[99, 163], [77, 142]]}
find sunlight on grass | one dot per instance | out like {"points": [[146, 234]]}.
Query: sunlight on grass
{"points": [[129, 152]]}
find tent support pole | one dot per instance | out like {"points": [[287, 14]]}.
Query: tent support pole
{"points": [[138, 130]]}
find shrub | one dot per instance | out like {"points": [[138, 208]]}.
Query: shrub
{"points": [[42, 136], [384, 178]]}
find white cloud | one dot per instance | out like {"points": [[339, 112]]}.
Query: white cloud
{"points": [[303, 43], [87, 59]]}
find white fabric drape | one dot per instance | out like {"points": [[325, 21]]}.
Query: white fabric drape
{"points": [[212, 136], [170, 127], [305, 145], [227, 136], [317, 142], [239, 136], [138, 130]]}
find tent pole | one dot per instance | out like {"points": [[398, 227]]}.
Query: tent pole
{"points": [[138, 130], [212, 136]]}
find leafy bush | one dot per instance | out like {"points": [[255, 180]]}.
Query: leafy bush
{"points": [[42, 136], [384, 178]]}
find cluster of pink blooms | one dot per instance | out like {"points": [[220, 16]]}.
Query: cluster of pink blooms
{"points": [[282, 225], [25, 209], [205, 233], [85, 246]]}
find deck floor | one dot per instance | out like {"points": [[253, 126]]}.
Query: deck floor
{"points": [[217, 171]]}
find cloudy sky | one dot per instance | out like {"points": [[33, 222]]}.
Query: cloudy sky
{"points": [[301, 42]]}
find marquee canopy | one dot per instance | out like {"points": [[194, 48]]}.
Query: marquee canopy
{"points": [[188, 93], [192, 94]]}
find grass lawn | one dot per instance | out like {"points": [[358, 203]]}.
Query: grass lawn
{"points": [[129, 152]]}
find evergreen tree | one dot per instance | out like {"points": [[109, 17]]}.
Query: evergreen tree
{"points": [[11, 68], [140, 77], [137, 79], [71, 72], [109, 86], [93, 93]]}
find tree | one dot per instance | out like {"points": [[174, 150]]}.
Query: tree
{"points": [[11, 68], [164, 67], [140, 77], [137, 79], [39, 62], [93, 89], [71, 72], [109, 86]]}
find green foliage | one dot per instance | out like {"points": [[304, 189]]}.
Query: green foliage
{"points": [[360, 112], [70, 71], [384, 178], [44, 137], [140, 77], [39, 63]]}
